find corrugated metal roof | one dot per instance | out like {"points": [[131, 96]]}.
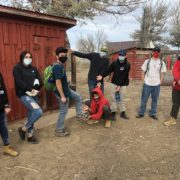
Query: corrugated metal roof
{"points": [[22, 13]]}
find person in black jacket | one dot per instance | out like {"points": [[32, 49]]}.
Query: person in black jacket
{"points": [[27, 84], [4, 110], [120, 80], [98, 65]]}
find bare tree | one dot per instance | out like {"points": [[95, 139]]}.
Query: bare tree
{"points": [[92, 43], [152, 23], [80, 8], [174, 38]]}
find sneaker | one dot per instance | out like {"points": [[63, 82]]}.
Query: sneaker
{"points": [[123, 115], [32, 140], [113, 116], [90, 122], [139, 116], [154, 117], [170, 122], [22, 134], [8, 150], [82, 117], [62, 134], [108, 124]]}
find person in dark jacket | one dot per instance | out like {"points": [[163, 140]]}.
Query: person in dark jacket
{"points": [[98, 65], [28, 82], [4, 110], [98, 108], [175, 94], [119, 81]]}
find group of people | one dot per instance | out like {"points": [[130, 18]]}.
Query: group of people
{"points": [[28, 83]]}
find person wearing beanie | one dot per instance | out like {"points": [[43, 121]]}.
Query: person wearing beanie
{"points": [[175, 94], [28, 83], [119, 82], [98, 64], [153, 70], [4, 110]]}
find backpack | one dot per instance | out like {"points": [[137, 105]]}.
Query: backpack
{"points": [[48, 79], [147, 67]]}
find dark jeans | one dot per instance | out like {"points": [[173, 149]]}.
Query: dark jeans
{"points": [[146, 92], [92, 84], [3, 128], [175, 103], [106, 111]]}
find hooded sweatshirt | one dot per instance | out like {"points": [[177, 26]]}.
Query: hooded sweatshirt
{"points": [[24, 78], [176, 74], [120, 73], [3, 95], [98, 105]]}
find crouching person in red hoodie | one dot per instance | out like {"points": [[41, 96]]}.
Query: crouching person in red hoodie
{"points": [[98, 108]]}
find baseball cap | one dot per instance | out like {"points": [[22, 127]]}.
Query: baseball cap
{"points": [[156, 48], [122, 52], [60, 50]]}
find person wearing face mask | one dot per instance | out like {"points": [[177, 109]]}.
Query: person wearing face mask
{"points": [[98, 108], [98, 64], [153, 70], [119, 81], [63, 93], [28, 82], [175, 94]]}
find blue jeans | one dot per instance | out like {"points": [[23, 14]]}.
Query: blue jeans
{"points": [[146, 92], [63, 107], [4, 129], [34, 111], [92, 84]]}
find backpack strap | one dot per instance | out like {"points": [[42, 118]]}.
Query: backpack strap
{"points": [[147, 67]]}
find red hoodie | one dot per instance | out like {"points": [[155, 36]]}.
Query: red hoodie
{"points": [[176, 74], [97, 105]]}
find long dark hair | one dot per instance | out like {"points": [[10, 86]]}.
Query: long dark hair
{"points": [[23, 54]]}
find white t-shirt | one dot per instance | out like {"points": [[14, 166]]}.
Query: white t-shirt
{"points": [[152, 77]]}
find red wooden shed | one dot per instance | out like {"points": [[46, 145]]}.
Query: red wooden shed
{"points": [[26, 30]]}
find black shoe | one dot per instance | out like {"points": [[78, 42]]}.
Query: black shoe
{"points": [[113, 116], [32, 140], [139, 116], [154, 117], [123, 115], [22, 134]]}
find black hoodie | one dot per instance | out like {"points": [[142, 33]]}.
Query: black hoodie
{"points": [[24, 77], [120, 73], [3, 95]]}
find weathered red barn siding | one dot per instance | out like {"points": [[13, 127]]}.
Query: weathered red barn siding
{"points": [[22, 32]]}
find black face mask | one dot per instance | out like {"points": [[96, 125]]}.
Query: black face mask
{"points": [[63, 59]]}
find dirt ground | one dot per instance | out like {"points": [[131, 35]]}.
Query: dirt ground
{"points": [[135, 149]]}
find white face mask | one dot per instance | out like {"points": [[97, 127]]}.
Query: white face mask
{"points": [[103, 54], [27, 61], [121, 58]]}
